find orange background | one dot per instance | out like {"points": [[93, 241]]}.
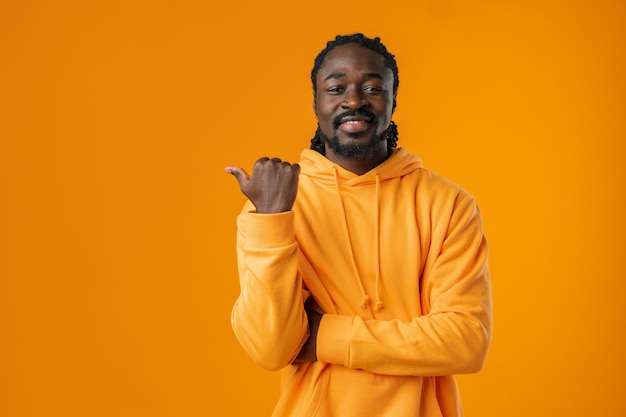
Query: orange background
{"points": [[117, 223]]}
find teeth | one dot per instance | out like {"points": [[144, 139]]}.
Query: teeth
{"points": [[353, 122]]}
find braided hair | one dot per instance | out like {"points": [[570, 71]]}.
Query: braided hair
{"points": [[389, 60]]}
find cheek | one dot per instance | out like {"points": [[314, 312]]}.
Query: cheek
{"points": [[383, 122], [324, 116], [385, 111]]}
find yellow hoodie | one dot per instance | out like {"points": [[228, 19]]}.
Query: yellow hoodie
{"points": [[396, 259]]}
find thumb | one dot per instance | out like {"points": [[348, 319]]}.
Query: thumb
{"points": [[239, 173]]}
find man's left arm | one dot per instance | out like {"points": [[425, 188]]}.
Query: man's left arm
{"points": [[453, 337]]}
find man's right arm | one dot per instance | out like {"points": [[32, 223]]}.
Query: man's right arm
{"points": [[268, 318]]}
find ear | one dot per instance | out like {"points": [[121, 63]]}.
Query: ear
{"points": [[315, 106], [393, 106]]}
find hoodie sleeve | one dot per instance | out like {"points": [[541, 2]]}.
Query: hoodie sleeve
{"points": [[453, 334], [268, 318]]}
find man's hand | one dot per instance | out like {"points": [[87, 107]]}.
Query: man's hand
{"points": [[308, 353], [273, 186]]}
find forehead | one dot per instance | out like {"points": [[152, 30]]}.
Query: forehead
{"points": [[354, 58]]}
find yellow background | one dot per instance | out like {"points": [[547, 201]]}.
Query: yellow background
{"points": [[117, 222]]}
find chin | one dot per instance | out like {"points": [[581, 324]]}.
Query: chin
{"points": [[353, 149]]}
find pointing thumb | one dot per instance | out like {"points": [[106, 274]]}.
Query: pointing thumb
{"points": [[239, 173]]}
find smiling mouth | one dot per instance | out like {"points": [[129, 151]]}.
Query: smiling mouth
{"points": [[354, 126], [354, 121]]}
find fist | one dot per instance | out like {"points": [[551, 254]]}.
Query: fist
{"points": [[273, 186]]}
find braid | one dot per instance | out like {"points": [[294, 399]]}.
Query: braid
{"points": [[391, 135], [317, 143]]}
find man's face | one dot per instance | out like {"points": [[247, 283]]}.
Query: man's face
{"points": [[354, 100]]}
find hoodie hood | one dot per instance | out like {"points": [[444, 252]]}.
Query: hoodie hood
{"points": [[317, 166]]}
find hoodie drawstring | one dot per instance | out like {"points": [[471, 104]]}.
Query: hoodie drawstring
{"points": [[364, 297], [379, 304]]}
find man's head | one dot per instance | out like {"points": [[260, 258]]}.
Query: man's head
{"points": [[355, 82]]}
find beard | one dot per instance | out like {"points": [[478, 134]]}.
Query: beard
{"points": [[358, 151]]}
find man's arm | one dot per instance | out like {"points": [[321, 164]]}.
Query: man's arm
{"points": [[268, 317], [452, 337]]}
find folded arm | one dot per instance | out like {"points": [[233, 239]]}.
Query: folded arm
{"points": [[453, 334]]}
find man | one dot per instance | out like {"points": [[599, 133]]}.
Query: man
{"points": [[363, 275]]}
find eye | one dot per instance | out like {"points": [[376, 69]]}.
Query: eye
{"points": [[373, 89], [335, 90]]}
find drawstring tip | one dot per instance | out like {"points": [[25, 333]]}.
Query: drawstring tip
{"points": [[364, 301]]}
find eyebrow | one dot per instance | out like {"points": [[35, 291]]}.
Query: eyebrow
{"points": [[366, 75]]}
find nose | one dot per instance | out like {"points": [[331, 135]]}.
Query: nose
{"points": [[354, 99]]}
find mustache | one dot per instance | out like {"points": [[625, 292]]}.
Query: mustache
{"points": [[352, 113]]}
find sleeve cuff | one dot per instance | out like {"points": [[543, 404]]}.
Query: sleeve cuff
{"points": [[333, 339], [268, 230]]}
